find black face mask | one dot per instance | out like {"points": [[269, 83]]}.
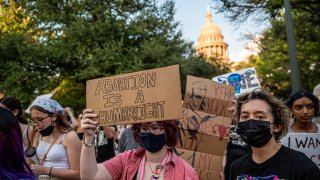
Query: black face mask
{"points": [[153, 143], [255, 133], [47, 131]]}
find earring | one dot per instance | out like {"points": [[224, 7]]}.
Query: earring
{"points": [[53, 123]]}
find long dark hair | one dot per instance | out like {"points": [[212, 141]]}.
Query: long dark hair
{"points": [[13, 164], [303, 93], [12, 103]]}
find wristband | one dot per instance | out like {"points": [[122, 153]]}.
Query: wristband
{"points": [[85, 144]]}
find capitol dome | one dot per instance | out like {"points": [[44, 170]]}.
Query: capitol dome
{"points": [[211, 41]]}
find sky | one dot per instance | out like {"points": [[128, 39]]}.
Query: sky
{"points": [[191, 15]]}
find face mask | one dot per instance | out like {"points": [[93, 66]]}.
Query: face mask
{"points": [[153, 143], [47, 131], [255, 133]]}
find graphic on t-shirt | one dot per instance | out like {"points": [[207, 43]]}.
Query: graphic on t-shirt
{"points": [[248, 177]]}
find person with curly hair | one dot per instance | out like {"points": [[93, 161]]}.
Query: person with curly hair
{"points": [[262, 119], [155, 160]]}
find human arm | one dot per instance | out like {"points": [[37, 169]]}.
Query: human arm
{"points": [[75, 124], [89, 169]]}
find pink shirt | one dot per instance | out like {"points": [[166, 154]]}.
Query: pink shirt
{"points": [[125, 165]]}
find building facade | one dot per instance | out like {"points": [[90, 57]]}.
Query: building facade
{"points": [[211, 41]]}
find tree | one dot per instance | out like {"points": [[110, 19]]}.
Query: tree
{"points": [[272, 63], [81, 40]]}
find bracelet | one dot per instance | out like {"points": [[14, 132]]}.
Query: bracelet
{"points": [[50, 171], [85, 144]]}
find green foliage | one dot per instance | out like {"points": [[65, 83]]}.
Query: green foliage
{"points": [[272, 63], [69, 42]]}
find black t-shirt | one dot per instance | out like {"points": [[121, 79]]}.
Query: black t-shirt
{"points": [[285, 164]]}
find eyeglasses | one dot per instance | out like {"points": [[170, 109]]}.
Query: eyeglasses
{"points": [[156, 129], [37, 120]]}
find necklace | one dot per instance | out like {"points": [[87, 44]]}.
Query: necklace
{"points": [[156, 172]]}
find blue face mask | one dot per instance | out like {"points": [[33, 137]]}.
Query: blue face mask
{"points": [[151, 142]]}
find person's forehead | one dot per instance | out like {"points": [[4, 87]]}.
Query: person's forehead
{"points": [[35, 112], [302, 101], [255, 105]]}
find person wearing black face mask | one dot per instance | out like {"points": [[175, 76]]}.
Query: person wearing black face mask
{"points": [[262, 120], [57, 145], [154, 160]]}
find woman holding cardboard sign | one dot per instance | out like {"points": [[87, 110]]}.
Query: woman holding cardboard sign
{"points": [[155, 160]]}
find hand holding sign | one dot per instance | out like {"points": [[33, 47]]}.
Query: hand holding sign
{"points": [[87, 123]]}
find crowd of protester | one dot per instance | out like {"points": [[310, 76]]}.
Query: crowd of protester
{"points": [[51, 143]]}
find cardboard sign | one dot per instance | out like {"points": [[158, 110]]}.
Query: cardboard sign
{"points": [[203, 132], [205, 123], [201, 160], [145, 96], [308, 143], [207, 96], [245, 80], [206, 143], [208, 175]]}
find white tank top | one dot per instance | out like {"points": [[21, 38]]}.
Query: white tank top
{"points": [[57, 156]]}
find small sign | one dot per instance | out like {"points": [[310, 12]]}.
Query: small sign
{"points": [[308, 143], [145, 96], [245, 80]]}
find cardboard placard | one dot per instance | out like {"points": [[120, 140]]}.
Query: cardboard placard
{"points": [[205, 123], [244, 80], [200, 160], [308, 143], [207, 96], [145, 96], [208, 175], [201, 142]]}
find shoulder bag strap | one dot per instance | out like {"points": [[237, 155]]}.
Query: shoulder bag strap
{"points": [[45, 155]]}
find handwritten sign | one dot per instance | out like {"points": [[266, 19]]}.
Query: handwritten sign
{"points": [[207, 96], [308, 143], [145, 96], [205, 127], [196, 129], [200, 160], [245, 80]]}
